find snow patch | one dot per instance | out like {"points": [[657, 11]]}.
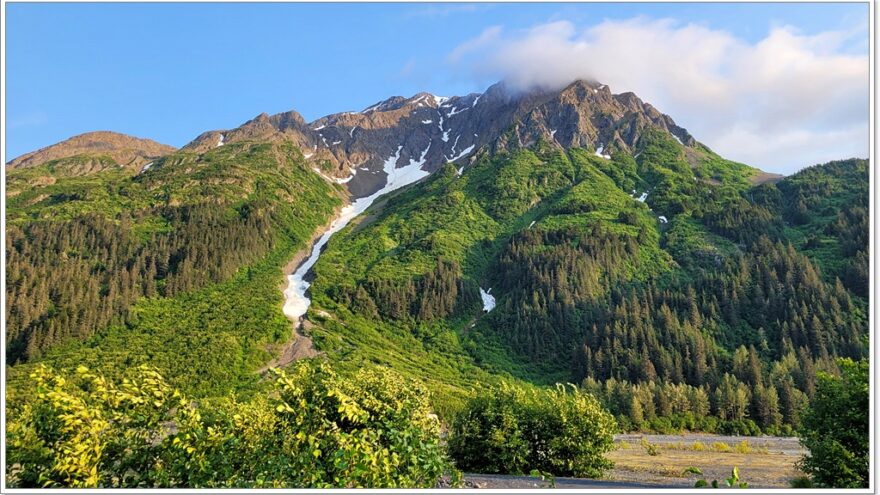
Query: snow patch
{"points": [[552, 133], [488, 299], [459, 171], [146, 167], [439, 100], [455, 111], [476, 100], [463, 153], [600, 155], [643, 197], [427, 121], [296, 302], [222, 138], [677, 139], [351, 132], [319, 128], [532, 224], [662, 219], [337, 142], [308, 155]]}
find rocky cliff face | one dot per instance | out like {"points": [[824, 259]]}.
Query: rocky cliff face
{"points": [[352, 147], [92, 151]]}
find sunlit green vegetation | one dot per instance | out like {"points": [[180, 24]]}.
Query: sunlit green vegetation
{"points": [[316, 429], [511, 429]]}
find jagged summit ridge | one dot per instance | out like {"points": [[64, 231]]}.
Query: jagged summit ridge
{"points": [[352, 147]]}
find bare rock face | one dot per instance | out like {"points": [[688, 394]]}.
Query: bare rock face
{"points": [[353, 147], [96, 151]]}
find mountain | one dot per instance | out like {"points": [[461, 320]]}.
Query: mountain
{"points": [[352, 147], [572, 235], [93, 152]]}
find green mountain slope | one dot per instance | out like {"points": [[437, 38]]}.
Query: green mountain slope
{"points": [[592, 283], [177, 267]]}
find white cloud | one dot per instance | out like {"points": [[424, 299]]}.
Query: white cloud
{"points": [[787, 101], [485, 39]]}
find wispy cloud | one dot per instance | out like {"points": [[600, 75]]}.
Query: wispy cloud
{"points": [[786, 101], [32, 119]]}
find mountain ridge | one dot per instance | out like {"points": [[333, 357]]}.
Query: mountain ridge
{"points": [[351, 148], [124, 150]]}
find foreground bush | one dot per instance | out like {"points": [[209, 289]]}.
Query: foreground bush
{"points": [[509, 429], [316, 430], [835, 429]]}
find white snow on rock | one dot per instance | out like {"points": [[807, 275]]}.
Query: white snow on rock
{"points": [[677, 139], [427, 121], [220, 143], [459, 171], [552, 133], [662, 219], [308, 155], [319, 128], [439, 100], [296, 303], [463, 153], [599, 153], [488, 299], [146, 167], [337, 142], [532, 224], [476, 100], [351, 132], [643, 197], [455, 143], [455, 111]]}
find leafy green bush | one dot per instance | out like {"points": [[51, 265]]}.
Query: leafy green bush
{"points": [[732, 482], [317, 430], [835, 428], [510, 429]]}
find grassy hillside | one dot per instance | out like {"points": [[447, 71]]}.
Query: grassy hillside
{"points": [[590, 282], [178, 267]]}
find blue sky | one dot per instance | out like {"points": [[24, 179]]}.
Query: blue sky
{"points": [[171, 71]]}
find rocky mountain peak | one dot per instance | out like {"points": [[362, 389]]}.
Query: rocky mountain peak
{"points": [[353, 148], [92, 151]]}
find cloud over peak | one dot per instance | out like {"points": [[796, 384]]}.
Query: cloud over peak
{"points": [[784, 102]]}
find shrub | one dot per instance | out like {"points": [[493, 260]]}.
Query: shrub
{"points": [[317, 430], [743, 447], [721, 447], [509, 429], [650, 448], [801, 482], [835, 429]]}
